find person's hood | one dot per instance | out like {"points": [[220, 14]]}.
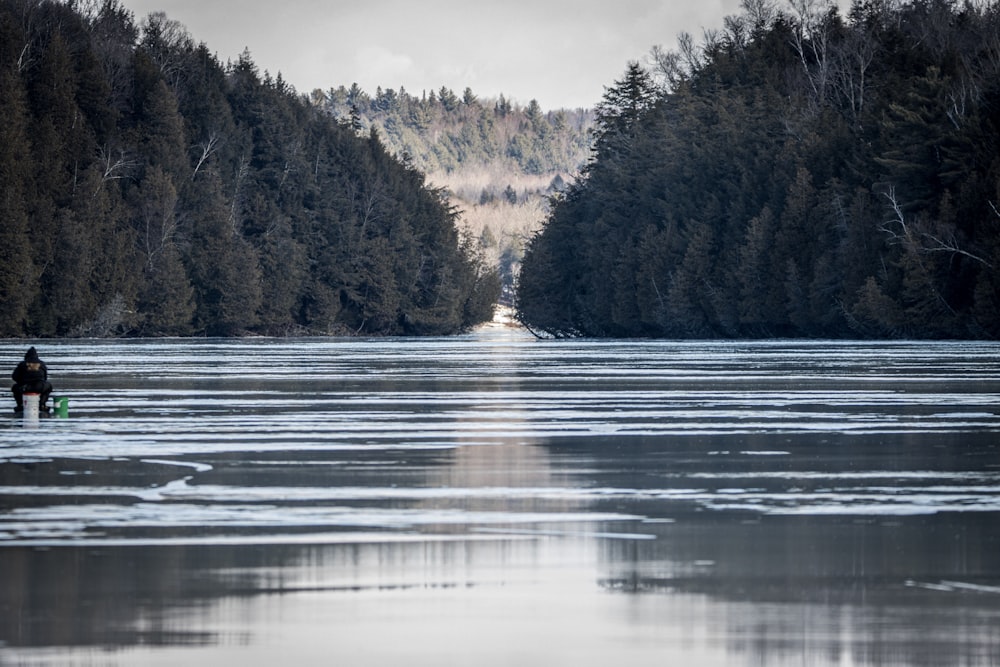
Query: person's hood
{"points": [[31, 356]]}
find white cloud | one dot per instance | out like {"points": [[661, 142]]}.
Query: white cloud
{"points": [[377, 63]]}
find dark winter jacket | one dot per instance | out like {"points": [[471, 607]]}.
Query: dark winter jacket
{"points": [[31, 374]]}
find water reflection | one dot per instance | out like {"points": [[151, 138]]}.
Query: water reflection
{"points": [[493, 499]]}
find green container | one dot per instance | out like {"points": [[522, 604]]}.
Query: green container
{"points": [[60, 406]]}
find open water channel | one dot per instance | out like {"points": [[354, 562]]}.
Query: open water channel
{"points": [[492, 499]]}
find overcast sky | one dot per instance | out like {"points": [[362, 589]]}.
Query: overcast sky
{"points": [[559, 52]]}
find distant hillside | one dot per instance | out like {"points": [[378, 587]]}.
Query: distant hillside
{"points": [[500, 161]]}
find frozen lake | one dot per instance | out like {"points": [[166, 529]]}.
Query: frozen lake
{"points": [[491, 499]]}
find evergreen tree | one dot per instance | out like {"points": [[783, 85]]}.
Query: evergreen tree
{"points": [[164, 143], [810, 176], [224, 267], [145, 189], [164, 300], [17, 272], [623, 104]]}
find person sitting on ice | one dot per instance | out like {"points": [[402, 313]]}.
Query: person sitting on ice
{"points": [[31, 377]]}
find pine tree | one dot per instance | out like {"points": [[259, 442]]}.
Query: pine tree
{"points": [[165, 305], [164, 142], [132, 176], [224, 267], [17, 272]]}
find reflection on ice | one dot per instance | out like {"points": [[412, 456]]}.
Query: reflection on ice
{"points": [[61, 525], [456, 422], [781, 502]]}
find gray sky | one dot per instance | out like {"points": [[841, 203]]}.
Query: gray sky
{"points": [[560, 52]]}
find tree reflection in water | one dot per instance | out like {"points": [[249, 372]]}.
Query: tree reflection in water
{"points": [[494, 499]]}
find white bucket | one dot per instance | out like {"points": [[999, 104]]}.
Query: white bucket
{"points": [[31, 407]]}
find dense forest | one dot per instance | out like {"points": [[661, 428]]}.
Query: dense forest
{"points": [[148, 189], [500, 161], [797, 173]]}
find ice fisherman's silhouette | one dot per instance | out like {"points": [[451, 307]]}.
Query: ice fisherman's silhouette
{"points": [[31, 377]]}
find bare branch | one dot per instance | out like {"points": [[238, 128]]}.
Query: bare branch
{"points": [[811, 40], [208, 147], [22, 60], [667, 68], [949, 245], [690, 54], [291, 152], [760, 12], [922, 241], [896, 237], [114, 165]]}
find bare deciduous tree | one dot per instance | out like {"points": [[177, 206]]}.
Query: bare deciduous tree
{"points": [[115, 163], [923, 238], [207, 148], [760, 13], [167, 41], [811, 40], [851, 66]]}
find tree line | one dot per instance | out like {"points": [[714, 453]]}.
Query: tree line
{"points": [[440, 131], [798, 173], [148, 189]]}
